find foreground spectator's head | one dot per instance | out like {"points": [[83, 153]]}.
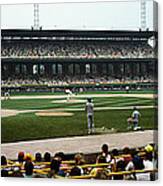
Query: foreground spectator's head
{"points": [[60, 156], [115, 152], [3, 160], [28, 168], [47, 157], [28, 157], [79, 159], [149, 148], [21, 157], [126, 150], [105, 148], [38, 157]]}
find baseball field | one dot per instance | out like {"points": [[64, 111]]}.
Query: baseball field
{"points": [[44, 116]]}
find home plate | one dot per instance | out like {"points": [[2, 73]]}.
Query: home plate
{"points": [[46, 113], [69, 101]]}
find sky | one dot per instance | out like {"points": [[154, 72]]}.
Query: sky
{"points": [[114, 15]]}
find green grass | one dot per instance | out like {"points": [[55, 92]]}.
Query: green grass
{"points": [[29, 104], [87, 92], [30, 127]]}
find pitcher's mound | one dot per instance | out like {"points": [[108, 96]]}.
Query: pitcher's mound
{"points": [[52, 113], [69, 101]]}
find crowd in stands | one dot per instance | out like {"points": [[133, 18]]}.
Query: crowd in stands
{"points": [[76, 50], [125, 164], [67, 80]]}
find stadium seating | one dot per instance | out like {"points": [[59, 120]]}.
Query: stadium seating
{"points": [[68, 80], [60, 166], [76, 49]]}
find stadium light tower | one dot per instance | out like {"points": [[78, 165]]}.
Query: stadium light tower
{"points": [[143, 14], [36, 17]]}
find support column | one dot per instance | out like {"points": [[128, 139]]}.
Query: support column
{"points": [[99, 69], [82, 68], [30, 69], [147, 68], [56, 68], [140, 70], [48, 69], [124, 70], [73, 66], [132, 70], [20, 68], [91, 69]]}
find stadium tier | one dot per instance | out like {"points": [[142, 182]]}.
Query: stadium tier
{"points": [[105, 59]]}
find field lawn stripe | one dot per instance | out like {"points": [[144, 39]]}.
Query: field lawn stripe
{"points": [[134, 102], [83, 96], [115, 102], [106, 108], [100, 102]]}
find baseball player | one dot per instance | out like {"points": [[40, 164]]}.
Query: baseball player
{"points": [[135, 116], [90, 115], [69, 94], [127, 89], [6, 95]]}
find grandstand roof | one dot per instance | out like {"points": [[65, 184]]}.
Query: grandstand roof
{"points": [[76, 33]]}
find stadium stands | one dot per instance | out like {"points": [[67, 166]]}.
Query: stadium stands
{"points": [[76, 50], [68, 57], [68, 80], [126, 164]]}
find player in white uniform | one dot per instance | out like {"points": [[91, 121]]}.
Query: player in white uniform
{"points": [[135, 116], [69, 94], [6, 95], [127, 89], [90, 115]]}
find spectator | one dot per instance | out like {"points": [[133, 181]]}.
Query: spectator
{"points": [[148, 165], [105, 153], [28, 169], [3, 160], [79, 159], [127, 155], [55, 166], [47, 157], [38, 157], [21, 157]]}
